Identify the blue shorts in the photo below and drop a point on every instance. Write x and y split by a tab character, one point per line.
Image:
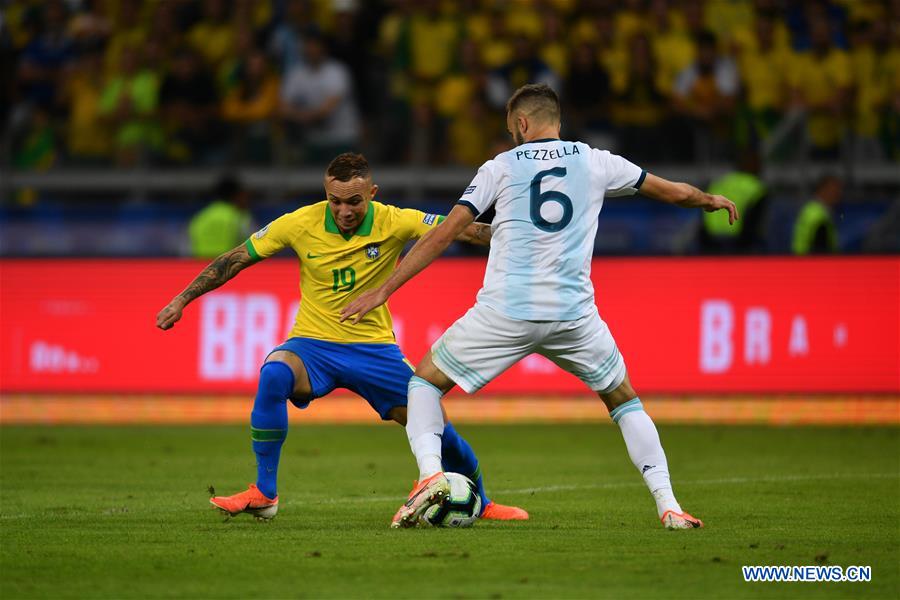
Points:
377	372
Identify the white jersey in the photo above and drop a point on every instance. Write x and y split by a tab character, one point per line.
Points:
548	194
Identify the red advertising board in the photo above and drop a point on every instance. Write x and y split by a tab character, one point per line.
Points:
683	325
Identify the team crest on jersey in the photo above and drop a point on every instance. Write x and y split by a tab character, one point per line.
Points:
259	234
429	219
373	251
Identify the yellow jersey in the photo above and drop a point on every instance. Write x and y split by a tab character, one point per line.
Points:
334	267
818	79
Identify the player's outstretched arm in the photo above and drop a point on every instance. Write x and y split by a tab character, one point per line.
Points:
478	234
214	275
686	196
420	256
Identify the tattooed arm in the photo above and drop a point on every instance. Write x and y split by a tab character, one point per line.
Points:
476	233
215	274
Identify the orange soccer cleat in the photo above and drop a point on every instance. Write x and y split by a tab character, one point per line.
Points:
252	502
674	520
500	512
431	491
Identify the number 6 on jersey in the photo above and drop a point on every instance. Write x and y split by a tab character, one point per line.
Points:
538	198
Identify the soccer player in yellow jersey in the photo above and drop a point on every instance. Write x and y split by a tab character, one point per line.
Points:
346	244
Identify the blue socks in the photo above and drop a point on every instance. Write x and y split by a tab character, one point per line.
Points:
269	423
457	456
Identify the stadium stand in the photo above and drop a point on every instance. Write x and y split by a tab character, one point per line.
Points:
130	110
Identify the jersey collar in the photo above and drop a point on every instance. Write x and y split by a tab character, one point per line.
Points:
365	228
541	141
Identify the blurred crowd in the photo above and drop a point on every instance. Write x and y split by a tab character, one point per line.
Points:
217	82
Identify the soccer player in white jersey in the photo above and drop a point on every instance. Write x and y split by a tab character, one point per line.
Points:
537	295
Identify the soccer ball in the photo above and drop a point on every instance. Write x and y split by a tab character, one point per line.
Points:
460	509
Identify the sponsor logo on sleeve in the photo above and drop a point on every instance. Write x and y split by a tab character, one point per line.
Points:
259	234
469	190
429	219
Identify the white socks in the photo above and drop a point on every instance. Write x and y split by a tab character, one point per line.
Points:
646	452
425	425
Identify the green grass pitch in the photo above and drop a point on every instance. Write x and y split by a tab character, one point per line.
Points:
123	512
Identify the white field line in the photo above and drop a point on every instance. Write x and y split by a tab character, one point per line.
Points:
621	484
311	500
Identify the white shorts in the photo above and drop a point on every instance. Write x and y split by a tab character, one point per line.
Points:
483	343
